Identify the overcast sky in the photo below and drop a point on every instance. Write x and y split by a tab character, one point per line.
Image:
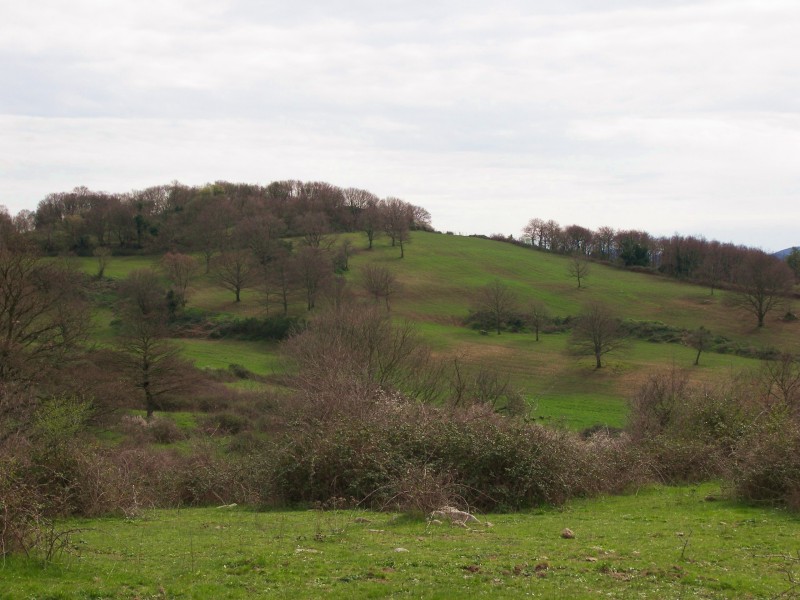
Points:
663	115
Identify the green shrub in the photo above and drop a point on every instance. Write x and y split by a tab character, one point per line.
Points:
277	327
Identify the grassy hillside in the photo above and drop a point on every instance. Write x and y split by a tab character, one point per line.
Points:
438	277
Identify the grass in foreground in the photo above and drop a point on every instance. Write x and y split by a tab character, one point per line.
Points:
659	543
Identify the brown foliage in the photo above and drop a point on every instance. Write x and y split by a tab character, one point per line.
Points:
43	317
597	333
351	351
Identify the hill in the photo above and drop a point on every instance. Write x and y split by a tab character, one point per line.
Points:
784	253
438	277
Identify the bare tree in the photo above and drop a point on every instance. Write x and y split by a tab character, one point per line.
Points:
763	283
103	256
179	269
314	227
380	282
604	242
781	379
537	317
353	353
497	302
578	268
43	317
370	221
143	290
148	361
341	258
700	339
208	231
282	275
313	271
478	386
235	271
357	201
397	217
262	234
597	333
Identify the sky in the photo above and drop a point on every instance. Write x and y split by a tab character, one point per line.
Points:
668	116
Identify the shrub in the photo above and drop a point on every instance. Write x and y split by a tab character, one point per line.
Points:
766	465
165	431
225	423
412	457
277	327
689	431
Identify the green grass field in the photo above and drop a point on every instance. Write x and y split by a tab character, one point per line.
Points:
657	543
438	276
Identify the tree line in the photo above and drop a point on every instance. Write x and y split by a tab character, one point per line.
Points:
208	218
678	256
762	281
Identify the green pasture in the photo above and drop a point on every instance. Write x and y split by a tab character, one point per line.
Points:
681	542
260	358
437	278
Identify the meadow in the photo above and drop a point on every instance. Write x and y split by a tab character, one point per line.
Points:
678	542
690	541
439	276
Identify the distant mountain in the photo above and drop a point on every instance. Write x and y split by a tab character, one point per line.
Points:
784	253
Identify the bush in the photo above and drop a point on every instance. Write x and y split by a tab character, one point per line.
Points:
766	466
225	423
688	431
278	327
165	431
412	457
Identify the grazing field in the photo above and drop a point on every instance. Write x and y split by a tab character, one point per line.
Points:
681	542
439	275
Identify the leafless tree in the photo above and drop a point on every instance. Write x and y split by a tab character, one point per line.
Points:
103	256
497	301
342	255
397	221
533	231
763	283
262	234
604	242
43	317
578	268
781	378
379	282
179	269
353	352
282	276
143	289
537	317
597	333
235	271
477	386
370	221
313	271
146	358
700	339
357	201
315	228
208	231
